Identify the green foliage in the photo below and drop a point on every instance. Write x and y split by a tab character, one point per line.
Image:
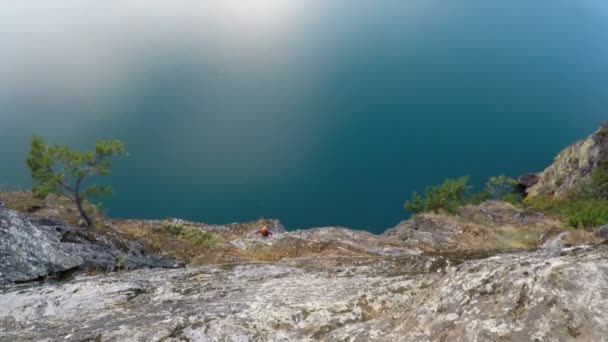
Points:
599	180
172	228
478	197
191	234
58	169
500	186
454	193
588	214
449	196
514	198
416	205
577	212
120	264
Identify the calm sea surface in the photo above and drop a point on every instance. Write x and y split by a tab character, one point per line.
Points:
313	112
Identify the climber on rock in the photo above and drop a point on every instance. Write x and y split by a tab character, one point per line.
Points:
264	231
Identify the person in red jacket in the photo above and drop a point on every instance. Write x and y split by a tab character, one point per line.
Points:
264	231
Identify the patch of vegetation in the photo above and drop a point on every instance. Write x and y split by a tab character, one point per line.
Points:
194	235
499	187
478	197
448	196
577	212
185	243
454	193
599	181
588	214
514	198
120	264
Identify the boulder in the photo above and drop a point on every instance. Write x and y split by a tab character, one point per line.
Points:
528	180
32	249
602	232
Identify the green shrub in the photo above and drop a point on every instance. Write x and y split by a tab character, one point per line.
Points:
416	205
478	197
192	234
599	180
200	237
173	228
501	186
577	212
514	198
454	193
120	264
589	217
449	196
586	213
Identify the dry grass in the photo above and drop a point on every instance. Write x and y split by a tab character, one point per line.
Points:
182	242
53	206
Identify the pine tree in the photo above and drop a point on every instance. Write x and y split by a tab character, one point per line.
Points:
58	169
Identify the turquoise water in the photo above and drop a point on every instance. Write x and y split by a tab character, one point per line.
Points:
313	112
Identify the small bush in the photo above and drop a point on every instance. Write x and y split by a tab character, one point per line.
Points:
200	237
120	264
173	228
478	197
513	198
449	196
501	186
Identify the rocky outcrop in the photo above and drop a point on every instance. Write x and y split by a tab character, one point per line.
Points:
36	248
427	229
525	296
572	166
527	181
492	225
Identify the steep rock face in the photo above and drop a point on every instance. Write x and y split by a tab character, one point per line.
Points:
509	297
572	166
31	249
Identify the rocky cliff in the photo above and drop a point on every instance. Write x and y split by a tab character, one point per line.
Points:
571	167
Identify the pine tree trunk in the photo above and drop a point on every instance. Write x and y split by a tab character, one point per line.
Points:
78	200
82	212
